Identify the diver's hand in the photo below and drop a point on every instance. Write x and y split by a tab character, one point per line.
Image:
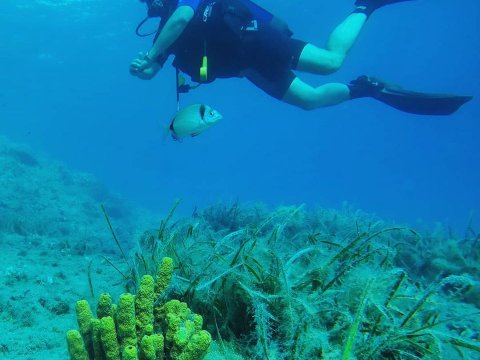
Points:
142	62
144	67
146	74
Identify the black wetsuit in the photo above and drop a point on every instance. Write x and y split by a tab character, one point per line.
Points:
240	39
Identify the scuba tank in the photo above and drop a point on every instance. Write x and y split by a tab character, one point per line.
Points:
245	15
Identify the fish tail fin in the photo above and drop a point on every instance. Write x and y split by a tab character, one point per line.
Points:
165	133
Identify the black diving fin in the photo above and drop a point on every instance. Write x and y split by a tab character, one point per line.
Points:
376	3
406	100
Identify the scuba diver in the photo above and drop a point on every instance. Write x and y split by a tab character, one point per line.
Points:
237	38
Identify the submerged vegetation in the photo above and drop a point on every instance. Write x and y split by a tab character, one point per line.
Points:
282	284
292	284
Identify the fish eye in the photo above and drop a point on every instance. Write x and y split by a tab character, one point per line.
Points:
212	112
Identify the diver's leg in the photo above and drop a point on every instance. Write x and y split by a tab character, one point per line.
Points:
308	97
326	61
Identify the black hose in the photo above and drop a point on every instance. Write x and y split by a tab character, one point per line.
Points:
139	26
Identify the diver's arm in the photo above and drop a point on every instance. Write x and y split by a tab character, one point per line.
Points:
171	31
145	66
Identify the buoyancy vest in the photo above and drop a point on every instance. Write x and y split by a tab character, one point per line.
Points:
218	30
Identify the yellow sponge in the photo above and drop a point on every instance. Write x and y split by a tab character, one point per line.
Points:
152	347
98	352
144	306
197	347
76	347
130	353
109	338
140	327
164	276
104	306
84	319
126	320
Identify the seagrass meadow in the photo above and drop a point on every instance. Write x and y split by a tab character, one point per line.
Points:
346	232
284	283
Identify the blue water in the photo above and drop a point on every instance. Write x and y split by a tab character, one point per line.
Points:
66	91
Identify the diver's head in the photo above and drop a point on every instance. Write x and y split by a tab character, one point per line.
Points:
156	8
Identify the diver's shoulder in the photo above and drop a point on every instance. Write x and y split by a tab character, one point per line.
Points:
194	4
